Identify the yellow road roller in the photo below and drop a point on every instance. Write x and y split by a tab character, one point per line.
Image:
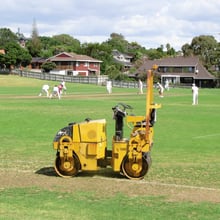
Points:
83	146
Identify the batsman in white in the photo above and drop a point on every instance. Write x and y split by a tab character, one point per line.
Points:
55	92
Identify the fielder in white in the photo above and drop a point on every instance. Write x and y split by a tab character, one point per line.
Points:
167	87
160	89
140	86
45	89
109	86
195	92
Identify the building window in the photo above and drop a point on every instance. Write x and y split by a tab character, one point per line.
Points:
164	69
189	69
177	69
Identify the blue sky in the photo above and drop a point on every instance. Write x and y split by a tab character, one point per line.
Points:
149	23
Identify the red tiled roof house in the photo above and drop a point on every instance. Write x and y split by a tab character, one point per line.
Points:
75	64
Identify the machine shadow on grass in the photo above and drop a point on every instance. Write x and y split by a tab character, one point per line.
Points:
105	172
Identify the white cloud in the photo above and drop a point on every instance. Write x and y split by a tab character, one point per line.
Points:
149	23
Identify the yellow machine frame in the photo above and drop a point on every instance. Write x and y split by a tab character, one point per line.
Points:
83	146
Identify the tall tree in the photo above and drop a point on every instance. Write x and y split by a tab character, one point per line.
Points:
99	51
170	50
6	35
34	45
71	44
187	50
59	43
15	55
117	41
203	46
153	54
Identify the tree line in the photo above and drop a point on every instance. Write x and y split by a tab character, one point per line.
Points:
205	47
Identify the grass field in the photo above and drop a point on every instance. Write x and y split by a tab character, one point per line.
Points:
183	182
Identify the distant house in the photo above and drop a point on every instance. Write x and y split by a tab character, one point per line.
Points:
21	38
123	59
2	65
2	51
75	64
37	62
184	70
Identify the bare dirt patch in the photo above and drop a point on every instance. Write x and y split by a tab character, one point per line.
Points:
105	183
67	96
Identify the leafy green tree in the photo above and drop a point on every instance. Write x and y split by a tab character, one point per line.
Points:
46	53
25	58
69	43
47	44
203	46
57	44
154	54
90	49
187	50
48	66
15	55
134	47
118	42
170	50
98	51
137	55
215	56
2	61
6	35
112	72
215	61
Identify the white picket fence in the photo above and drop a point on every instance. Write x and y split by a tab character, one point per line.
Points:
98	80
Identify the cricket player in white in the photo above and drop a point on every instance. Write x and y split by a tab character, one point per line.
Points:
56	92
160	88
64	86
195	92
140	86
45	89
109	86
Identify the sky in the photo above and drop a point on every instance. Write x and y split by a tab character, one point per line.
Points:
149	23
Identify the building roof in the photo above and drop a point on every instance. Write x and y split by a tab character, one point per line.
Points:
64	56
38	60
116	53
122	58
180	61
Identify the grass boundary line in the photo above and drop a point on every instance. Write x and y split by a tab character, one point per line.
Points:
205	136
162	184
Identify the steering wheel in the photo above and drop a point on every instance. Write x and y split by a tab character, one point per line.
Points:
125	106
